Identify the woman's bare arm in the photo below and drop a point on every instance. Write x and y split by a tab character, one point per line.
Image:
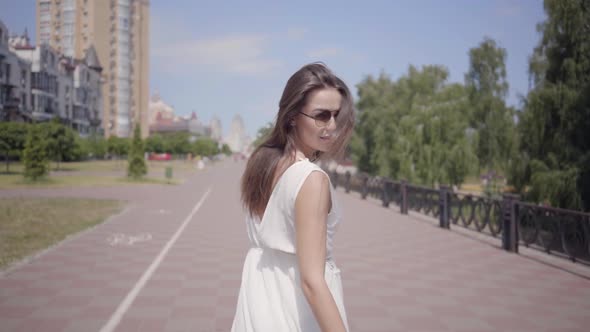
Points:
311	211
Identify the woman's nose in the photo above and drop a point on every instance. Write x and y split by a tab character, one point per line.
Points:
331	124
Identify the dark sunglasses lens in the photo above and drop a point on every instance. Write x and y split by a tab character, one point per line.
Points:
324	116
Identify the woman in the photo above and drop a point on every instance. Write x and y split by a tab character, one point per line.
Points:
290	281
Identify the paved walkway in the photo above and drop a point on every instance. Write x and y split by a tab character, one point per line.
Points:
176	266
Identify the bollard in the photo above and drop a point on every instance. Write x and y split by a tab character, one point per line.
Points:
365	186
404	194
510	222
168	173
347	182
444	207
385	194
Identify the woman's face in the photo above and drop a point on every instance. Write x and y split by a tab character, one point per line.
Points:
315	128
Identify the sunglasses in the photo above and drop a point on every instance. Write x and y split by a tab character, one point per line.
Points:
322	118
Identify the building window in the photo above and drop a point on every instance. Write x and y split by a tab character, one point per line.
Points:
7	71
23	78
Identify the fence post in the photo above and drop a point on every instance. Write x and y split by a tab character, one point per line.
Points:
365	186
444	207
386	193
510	222
335	181
347	182
404	194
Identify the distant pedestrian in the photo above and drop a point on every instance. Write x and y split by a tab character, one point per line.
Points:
290	281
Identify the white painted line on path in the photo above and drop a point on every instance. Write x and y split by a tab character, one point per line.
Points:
127	240
124	306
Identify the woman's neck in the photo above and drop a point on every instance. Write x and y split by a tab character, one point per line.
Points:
302	151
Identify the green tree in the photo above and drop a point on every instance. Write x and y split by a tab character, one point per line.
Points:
487	87
155	143
225	149
34	155
96	146
117	146
410	128
262	134
554	126
60	141
12	140
136	167
178	142
205	147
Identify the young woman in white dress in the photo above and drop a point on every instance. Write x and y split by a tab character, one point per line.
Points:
290	281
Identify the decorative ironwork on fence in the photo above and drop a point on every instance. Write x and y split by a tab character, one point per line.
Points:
558	231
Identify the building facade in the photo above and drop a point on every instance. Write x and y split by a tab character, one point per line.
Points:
163	120
216	129
45	78
119	32
238	140
41	84
15	83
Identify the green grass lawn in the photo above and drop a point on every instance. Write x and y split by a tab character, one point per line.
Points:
16	181
101	166
67	175
28	225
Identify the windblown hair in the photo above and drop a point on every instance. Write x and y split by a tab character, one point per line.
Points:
278	149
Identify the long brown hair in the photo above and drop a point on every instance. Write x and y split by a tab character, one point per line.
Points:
277	150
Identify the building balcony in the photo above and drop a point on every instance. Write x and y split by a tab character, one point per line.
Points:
12	103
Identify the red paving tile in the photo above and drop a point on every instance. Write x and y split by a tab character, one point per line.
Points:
400	273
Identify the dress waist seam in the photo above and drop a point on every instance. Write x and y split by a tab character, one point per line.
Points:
329	259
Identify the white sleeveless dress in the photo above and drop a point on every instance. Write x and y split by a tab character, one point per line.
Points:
271	298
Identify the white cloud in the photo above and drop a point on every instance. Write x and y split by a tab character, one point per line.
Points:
233	54
324	52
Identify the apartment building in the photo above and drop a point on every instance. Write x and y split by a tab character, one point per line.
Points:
45	79
119	32
15	84
44	84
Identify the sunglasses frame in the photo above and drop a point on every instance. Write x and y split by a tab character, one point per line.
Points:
319	123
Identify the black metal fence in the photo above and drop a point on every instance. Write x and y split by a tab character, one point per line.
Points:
557	231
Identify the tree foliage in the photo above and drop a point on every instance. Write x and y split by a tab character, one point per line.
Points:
554	126
155	143
409	128
92	147
205	147
34	155
118	146
12	140
60	141
262	134
226	150
136	167
486	85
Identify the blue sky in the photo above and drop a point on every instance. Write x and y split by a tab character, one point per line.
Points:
234	57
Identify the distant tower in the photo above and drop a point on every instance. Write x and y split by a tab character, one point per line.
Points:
216	131
237	135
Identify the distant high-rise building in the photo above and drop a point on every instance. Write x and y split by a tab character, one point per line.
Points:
237	138
216	131
119	31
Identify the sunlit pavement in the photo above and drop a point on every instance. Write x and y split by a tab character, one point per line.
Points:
172	260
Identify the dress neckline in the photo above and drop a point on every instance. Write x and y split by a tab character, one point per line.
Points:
274	189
